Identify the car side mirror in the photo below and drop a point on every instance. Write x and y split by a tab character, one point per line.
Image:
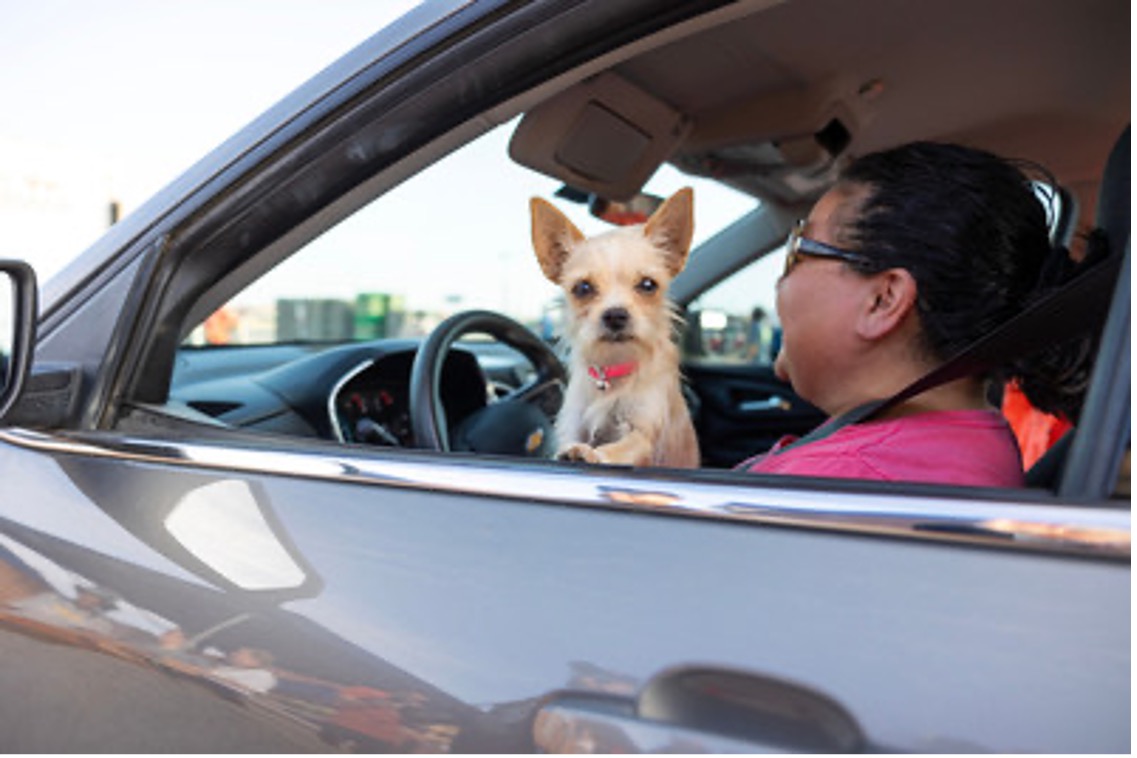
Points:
17	329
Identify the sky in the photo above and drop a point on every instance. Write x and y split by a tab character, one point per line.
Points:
111	100
127	94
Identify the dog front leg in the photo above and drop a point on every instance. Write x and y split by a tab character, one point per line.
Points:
633	449
580	452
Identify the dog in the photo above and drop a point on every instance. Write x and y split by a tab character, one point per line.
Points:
623	403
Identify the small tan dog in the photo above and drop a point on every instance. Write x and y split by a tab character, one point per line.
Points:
623	403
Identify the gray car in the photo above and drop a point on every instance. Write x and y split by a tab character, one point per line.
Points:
275	459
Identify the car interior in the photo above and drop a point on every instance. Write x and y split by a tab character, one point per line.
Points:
762	102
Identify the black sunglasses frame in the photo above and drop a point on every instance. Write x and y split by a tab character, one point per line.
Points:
799	246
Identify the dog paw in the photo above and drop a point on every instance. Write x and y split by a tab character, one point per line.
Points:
580	453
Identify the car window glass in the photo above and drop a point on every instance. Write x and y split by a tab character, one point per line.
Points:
452	238
735	321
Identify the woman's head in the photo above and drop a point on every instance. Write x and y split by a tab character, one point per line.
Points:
958	234
968	226
848	326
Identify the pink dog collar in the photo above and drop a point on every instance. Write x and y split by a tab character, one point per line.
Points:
603	375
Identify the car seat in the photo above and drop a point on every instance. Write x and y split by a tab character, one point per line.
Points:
1112	218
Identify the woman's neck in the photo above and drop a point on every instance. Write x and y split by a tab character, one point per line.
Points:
964	394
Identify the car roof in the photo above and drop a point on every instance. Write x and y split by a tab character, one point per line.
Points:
772	97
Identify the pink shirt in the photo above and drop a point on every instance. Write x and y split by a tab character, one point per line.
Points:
969	447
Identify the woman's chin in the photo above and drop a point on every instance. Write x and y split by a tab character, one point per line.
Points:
781	367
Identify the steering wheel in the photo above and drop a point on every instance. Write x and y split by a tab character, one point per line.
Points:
521	423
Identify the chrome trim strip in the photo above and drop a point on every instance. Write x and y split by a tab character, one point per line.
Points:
1080	530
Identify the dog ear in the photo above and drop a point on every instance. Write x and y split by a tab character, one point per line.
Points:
553	237
672	226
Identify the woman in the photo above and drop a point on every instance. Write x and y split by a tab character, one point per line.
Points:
914	254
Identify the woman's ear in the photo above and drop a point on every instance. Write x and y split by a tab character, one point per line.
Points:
891	297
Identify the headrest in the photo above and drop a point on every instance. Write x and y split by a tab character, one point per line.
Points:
1113	209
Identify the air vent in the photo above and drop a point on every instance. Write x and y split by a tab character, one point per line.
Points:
213	408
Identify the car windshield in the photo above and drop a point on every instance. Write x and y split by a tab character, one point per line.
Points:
452	238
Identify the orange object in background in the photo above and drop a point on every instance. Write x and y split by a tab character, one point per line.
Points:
219	326
1035	430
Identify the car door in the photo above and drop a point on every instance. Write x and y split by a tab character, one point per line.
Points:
744	410
412	603
175	583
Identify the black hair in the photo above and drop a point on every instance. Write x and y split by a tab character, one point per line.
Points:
971	229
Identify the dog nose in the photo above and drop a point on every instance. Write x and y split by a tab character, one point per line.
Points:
615	319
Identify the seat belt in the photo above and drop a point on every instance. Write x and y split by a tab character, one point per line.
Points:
1064	313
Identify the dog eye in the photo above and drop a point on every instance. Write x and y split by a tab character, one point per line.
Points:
582	289
647	285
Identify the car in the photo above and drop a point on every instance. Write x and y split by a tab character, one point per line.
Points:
264	483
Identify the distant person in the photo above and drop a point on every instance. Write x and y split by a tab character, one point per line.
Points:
760	337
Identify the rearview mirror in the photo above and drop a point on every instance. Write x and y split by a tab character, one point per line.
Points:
17	329
636	210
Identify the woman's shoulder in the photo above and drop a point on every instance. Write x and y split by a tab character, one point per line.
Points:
971	447
931	429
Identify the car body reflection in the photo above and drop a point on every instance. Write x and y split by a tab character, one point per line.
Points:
236	643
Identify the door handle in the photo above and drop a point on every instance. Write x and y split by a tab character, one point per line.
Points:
699	710
772	403
591	725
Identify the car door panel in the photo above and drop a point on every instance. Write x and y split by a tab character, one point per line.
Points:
744	410
434	613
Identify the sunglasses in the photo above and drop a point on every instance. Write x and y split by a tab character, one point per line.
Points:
798	247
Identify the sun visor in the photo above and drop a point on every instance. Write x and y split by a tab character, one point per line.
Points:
604	135
786	144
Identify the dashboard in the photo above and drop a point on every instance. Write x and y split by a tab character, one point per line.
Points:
374	409
372	404
356	393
